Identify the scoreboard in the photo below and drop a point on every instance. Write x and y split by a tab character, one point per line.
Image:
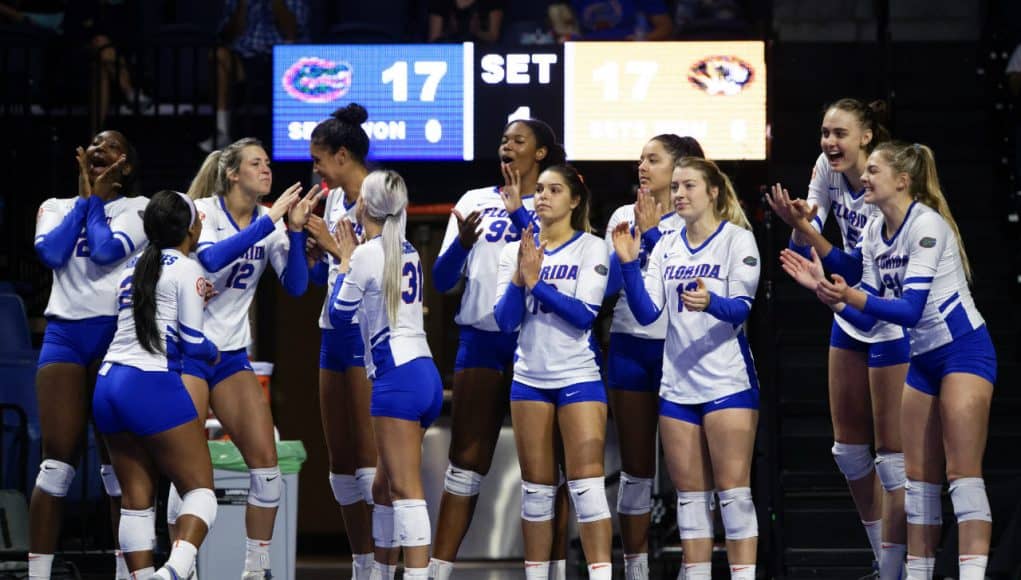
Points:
451	101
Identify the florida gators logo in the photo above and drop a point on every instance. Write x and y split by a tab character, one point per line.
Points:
721	75
316	80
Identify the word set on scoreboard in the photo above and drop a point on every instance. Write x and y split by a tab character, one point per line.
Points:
451	101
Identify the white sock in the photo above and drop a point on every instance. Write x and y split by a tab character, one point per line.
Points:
600	571
874	530
257	555
223	122
416	573
697	571
558	570
440	569
742	572
536	570
362	565
39	566
920	568
182	558
384	571
636	566
891	560
972	567
143	574
121	567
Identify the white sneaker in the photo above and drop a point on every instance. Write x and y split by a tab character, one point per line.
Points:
257	575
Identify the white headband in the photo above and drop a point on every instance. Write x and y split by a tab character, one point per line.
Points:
191	207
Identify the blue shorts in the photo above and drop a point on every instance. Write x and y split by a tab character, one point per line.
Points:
484	349
634	364
576	393
76	341
880	354
231	363
412	391
140	402
340	350
747	399
971	353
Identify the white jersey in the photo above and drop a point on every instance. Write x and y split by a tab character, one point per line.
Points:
922	255
386	346
551	352
336	211
705	358
831	192
82	288
623	320
227	313
480	269
180	300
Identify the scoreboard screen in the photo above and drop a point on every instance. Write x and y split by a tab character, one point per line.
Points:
451	101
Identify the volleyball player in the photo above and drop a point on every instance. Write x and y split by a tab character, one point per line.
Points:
339	147
551	286
479	228
381	283
915	273
140	403
239	238
635	362
704	277
862	366
85	241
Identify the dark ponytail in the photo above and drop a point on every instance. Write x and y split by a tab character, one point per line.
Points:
576	183
544	137
166	220
344	129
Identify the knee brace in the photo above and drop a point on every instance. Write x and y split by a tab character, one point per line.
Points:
54	477
463	482
137	531
110	483
200	503
634	495
853	460
365	476
589	498
345	489
537	501
411	522
173	505
738	513
968	495
922	503
890	468
266	485
383	526
695	514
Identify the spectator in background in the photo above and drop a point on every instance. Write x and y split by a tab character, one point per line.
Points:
621	19
33	16
1014	87
248	31
466	20
707	16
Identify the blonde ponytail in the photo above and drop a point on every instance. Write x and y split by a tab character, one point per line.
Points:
205	181
213	176
919	163
728	206
385	198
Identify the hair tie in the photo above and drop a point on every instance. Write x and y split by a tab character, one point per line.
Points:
191	207
916	147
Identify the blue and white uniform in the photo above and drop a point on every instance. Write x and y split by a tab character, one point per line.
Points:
707	364
482	344
85	242
338	350
635	361
234	260
554	361
141	392
915	279
886	344
405	382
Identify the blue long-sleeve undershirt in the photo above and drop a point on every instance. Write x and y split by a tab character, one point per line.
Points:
573	311
615	279
295	275
804	251
651	237
56	245
217	256
105	246
522	220
510	309
637	296
905	311
204	350
340	318
320	273
847	265
449	265
732	310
